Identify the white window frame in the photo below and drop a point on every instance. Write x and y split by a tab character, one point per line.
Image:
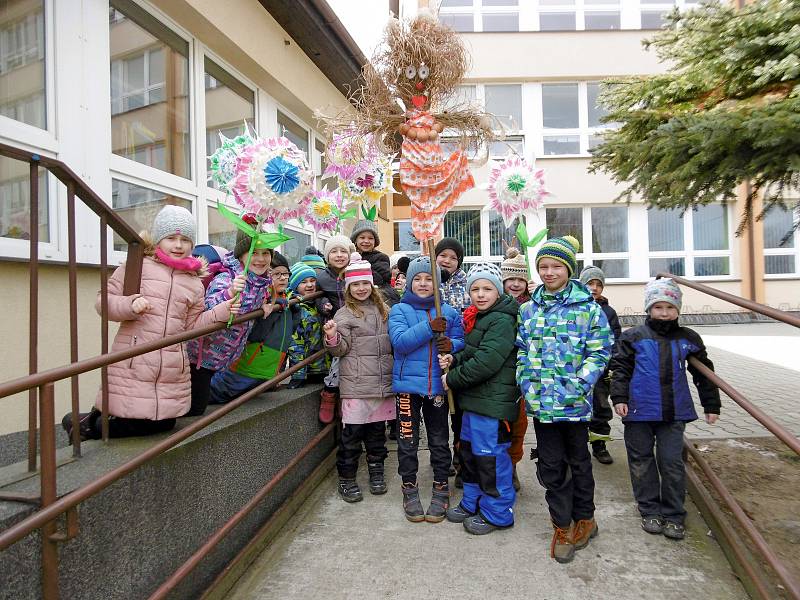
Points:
786	251
477	10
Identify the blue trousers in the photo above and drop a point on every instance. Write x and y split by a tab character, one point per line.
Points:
227	385
486	469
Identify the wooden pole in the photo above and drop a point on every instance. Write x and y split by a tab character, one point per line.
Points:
437	303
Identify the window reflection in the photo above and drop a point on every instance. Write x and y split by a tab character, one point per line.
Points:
138	206
15	206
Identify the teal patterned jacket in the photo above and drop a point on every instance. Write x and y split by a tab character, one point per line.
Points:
306	340
564	346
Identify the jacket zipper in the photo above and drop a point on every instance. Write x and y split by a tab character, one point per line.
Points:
430	359
130	362
164	333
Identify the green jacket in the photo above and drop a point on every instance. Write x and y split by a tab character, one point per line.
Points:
483	375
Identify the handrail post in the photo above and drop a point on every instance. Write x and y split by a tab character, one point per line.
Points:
33	310
133	269
104	324
48	491
73	318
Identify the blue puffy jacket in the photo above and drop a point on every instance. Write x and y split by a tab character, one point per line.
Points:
416	364
648	373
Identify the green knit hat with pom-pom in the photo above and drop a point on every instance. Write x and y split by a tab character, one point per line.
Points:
563	249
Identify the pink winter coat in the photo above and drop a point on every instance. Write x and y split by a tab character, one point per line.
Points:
155	385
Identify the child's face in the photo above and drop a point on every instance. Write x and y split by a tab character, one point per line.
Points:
663	311
259	263
176	246
448	260
596	287
515	287
483	294
400	282
360	290
338	258
554	274
422	285
307	286
365	242
280	279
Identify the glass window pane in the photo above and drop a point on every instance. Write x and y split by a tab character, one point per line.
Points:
293	249
404	240
505	103
610	229
221	232
777	223
603	2
653	19
665	229
556	2
465	226
562	144
557	21
565	221
149	91
710	226
500	2
498	232
447	3
596	112
501	22
560	105
458	21
229	104
500	149
293	132
710	266
674	265
595	141
15	205
22	66
601	20
779	265
613	268
138	206
667	2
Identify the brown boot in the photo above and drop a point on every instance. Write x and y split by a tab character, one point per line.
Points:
582	532
561	548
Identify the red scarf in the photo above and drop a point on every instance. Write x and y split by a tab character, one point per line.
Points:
470	315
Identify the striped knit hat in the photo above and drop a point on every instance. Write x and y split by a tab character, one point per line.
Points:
514	265
563	249
313	258
298	273
358	270
488	271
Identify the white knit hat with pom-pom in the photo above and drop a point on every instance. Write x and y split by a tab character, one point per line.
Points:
358	270
514	265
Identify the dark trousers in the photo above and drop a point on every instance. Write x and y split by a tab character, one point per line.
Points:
201	390
455	426
121	427
601	409
658	478
564	470
372	435
411	408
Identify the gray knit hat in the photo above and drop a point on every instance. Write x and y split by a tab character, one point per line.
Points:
489	271
592	272
662	290
171	220
421	264
361	227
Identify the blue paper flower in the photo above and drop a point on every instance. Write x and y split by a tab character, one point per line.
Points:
281	175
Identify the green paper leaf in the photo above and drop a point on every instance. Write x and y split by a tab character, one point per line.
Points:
271	241
236	220
522	234
538	238
349	214
364	212
373	212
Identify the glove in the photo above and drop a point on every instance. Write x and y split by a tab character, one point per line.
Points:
439	324
444	344
280	303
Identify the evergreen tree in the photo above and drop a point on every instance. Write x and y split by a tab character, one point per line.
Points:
727	111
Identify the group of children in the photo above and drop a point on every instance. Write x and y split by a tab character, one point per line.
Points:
504	347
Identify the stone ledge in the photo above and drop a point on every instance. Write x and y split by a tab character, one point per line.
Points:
136	532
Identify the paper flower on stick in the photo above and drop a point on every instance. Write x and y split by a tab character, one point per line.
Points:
349	155
223	161
515	187
272	180
327	211
249	224
370	185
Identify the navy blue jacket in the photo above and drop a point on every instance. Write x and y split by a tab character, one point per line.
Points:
648	373
416	363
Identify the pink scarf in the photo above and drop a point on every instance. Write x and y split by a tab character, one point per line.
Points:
189	263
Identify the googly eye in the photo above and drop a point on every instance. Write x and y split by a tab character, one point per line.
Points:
411	72
423	71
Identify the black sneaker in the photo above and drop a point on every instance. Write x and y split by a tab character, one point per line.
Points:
601	453
654	525
86	423
440	502
295	384
674	531
349	490
457	514
477	525
411	504
377	483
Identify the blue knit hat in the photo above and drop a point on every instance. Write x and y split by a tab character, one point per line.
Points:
489	271
313	260
421	264
298	273
563	249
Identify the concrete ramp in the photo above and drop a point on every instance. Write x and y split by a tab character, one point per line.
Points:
368	550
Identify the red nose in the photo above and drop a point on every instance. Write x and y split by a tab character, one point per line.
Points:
420	85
